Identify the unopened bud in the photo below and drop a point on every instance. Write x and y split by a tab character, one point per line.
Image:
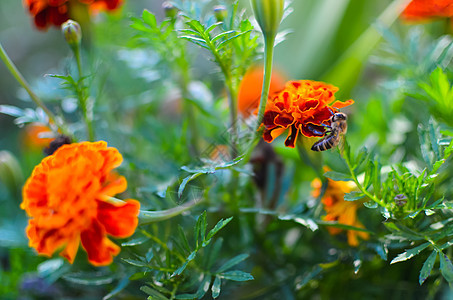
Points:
72	33
170	10
400	199
220	12
268	14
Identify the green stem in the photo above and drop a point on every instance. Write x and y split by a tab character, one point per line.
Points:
146	217
359	186
268	57
80	95
232	98
18	76
163	245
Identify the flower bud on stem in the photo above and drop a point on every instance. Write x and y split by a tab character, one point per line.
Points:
268	14
73	35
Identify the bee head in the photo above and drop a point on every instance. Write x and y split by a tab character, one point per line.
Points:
339	117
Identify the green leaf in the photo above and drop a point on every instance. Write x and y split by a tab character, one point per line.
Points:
222	223
134	262
427	267
337	176
149	18
410	253
232	262
236	276
86	278
216	287
204	287
353	196
223	34
230	39
135	242
446	267
119	287
211	28
203	226
184	265
153	294
183	238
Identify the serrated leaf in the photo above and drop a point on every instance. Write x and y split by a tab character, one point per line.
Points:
337	176
446	267
222	223
223	34
353	196
183	238
427	267
211	28
149	18
232	262
236	276
410	253
184	265
216	287
153	294
230	39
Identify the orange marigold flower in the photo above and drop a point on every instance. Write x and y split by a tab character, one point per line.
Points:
337	209
302	106
36	136
250	89
55	12
419	10
68	197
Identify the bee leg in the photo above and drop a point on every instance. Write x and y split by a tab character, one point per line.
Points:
325	125
315	131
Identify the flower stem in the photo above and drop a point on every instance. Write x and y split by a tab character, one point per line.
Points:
268	57
18	76
359	185
81	95
146	217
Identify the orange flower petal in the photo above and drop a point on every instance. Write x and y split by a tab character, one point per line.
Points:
250	89
64	199
119	219
99	248
340	104
302	106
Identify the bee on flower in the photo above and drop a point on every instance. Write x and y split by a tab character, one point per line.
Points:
340	210
302	107
69	201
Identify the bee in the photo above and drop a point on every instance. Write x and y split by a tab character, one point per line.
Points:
337	128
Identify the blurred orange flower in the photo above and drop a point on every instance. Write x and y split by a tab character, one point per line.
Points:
68	197
302	106
419	10
36	136
55	12
250	89
337	209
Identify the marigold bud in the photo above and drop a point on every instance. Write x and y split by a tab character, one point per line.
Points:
72	33
220	12
170	10
268	14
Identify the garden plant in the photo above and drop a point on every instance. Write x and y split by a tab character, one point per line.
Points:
226	149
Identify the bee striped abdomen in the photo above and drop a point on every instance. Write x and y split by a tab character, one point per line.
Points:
326	143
